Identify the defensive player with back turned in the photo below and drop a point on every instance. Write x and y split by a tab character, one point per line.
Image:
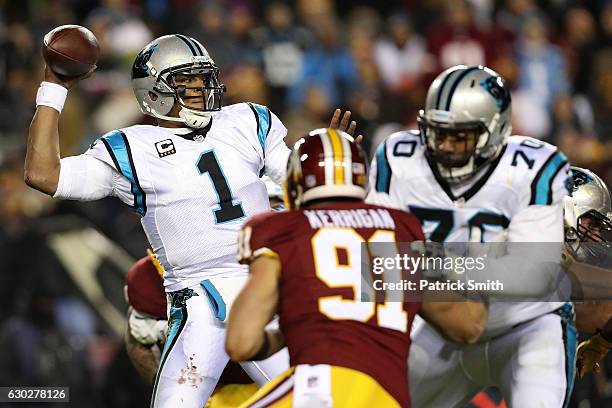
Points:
305	264
469	180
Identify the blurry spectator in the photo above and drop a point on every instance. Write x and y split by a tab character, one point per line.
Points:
211	29
245	83
329	65
580	45
280	43
311	12
529	117
482	11
514	12
455	39
542	71
127	34
401	56
603	95
363	30
582	150
564	116
569	134
606	25
312	115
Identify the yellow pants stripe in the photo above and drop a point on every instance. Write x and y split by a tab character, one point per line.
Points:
349	389
270	388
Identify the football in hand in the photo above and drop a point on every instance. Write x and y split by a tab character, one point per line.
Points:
71	50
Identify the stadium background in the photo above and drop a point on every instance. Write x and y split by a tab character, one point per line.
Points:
62	263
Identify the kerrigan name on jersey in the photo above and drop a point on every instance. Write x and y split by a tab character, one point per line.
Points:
362	218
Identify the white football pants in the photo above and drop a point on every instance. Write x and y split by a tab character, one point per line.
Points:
532	365
194	353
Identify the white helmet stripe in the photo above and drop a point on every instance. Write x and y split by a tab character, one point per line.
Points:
347	161
328	151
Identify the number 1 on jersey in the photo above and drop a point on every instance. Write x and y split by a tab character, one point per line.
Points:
227	211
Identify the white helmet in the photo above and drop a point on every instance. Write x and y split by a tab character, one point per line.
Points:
153	75
589	198
461	99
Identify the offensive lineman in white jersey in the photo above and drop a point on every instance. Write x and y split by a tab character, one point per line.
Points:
467	180
194	179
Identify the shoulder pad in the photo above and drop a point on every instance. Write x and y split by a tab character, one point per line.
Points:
539	162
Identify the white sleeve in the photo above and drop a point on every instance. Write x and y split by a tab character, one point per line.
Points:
276	152
85	178
379	182
530	268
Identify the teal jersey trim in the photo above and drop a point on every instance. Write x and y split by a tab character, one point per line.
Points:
541	187
383	170
119	149
570	339
264	123
215	299
178	318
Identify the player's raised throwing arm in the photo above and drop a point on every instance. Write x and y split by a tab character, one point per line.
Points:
42	163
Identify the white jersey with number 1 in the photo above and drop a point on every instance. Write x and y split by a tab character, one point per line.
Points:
193	192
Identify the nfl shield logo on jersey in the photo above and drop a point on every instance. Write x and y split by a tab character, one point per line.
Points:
312	381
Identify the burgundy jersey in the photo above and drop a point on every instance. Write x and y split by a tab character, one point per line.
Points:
321	315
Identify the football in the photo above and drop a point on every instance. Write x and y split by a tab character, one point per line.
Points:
71	50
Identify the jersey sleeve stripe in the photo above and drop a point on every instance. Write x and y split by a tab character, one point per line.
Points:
119	149
383	170
541	187
263	117
264	252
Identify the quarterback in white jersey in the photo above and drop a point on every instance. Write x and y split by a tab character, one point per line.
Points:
468	180
194	179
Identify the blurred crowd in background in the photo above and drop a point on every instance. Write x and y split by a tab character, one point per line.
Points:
302	59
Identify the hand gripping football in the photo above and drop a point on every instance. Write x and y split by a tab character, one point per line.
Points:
71	50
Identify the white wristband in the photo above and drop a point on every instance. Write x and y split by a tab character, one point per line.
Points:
51	95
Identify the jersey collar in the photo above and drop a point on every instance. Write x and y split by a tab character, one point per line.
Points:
196	135
470	192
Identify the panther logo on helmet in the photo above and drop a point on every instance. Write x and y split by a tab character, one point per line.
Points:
500	93
326	164
140	69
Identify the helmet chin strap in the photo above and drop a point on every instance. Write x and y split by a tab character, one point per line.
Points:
195	119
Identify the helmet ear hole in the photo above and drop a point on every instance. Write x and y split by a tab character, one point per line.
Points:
153	96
